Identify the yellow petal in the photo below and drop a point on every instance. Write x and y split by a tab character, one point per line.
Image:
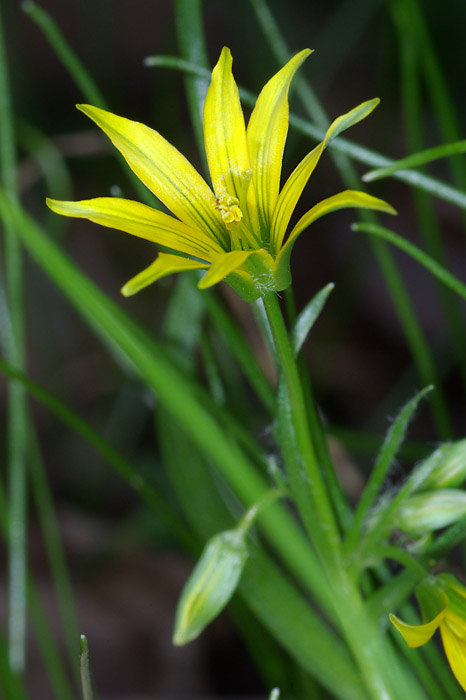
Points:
295	184
266	135
223	266
140	220
164	170
417	635
224	130
347	198
455	649
165	264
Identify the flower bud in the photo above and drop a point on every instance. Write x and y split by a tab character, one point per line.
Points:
211	584
431	510
451	468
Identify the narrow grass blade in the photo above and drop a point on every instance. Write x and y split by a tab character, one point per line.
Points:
86	683
81	77
12	338
434	268
383	520
191	40
436	85
11	684
387	454
411	59
65	53
113	458
428	155
55	553
48	647
46	644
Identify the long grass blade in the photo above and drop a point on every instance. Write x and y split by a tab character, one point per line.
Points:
436	85
434	268
65	53
193	48
86	683
12	332
81	77
55	553
109	454
47	646
428	222
428	155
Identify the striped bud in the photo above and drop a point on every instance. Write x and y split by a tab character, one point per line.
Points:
451	468
211	584
432	510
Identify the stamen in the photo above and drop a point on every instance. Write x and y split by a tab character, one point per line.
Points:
229	209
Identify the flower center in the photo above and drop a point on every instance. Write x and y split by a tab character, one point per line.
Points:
229	209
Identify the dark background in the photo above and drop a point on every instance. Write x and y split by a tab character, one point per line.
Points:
127	571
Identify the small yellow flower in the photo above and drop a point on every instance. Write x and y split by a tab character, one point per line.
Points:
237	231
443	605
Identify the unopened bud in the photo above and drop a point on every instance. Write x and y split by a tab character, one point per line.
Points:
432	510
451	468
211	584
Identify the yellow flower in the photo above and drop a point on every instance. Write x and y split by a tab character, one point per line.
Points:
443	605
237	231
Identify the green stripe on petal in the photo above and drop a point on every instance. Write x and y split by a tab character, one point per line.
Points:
295	184
164	170
223	266
347	198
266	135
142	221
225	135
417	635
455	650
165	264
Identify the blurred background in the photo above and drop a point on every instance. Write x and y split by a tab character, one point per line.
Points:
126	568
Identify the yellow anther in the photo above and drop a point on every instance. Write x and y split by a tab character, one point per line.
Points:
229	209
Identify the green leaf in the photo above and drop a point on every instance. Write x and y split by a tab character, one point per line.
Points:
309	316
388	451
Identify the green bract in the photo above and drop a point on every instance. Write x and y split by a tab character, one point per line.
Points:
237	231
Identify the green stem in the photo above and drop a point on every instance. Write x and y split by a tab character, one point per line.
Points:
382	675
248	519
305	477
